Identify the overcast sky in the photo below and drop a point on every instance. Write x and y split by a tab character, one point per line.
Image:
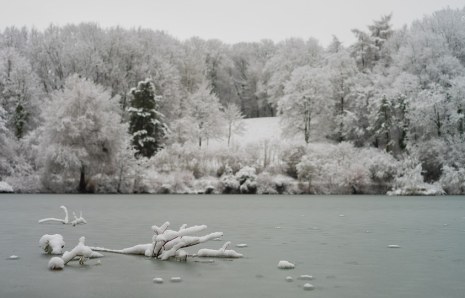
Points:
228	20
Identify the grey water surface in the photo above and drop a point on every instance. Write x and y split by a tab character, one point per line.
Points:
342	241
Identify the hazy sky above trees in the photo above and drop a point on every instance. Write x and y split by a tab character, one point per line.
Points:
231	21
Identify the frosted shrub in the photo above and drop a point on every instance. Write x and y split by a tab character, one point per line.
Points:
409	181
453	180
229	183
342	168
291	157
246	178
206	185
279	184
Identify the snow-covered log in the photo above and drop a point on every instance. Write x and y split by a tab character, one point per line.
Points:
51	219
187	241
140	249
167	243
81	251
52	244
223	252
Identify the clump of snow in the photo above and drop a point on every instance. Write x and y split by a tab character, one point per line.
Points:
181	255
176	279
223	252
306	277
13	257
308	287
394	246
5	187
52	244
289	278
241	245
158	280
285	265
56	263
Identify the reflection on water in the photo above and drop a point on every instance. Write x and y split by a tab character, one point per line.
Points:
348	256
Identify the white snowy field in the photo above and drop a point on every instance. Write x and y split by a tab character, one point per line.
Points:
343	243
256	131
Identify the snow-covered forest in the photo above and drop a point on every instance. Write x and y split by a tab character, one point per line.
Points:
103	110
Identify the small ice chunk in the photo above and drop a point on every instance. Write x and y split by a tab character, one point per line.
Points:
394	246
56	263
341	215
158	280
176	279
289	278
98	262
241	245
308	287
306	277
278	228
285	265
13	257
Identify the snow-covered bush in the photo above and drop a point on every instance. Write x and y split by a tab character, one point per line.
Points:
228	182
410	181
246	178
342	168
206	185
453	180
5	187
275	184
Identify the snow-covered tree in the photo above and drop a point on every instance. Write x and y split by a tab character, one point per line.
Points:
290	54
204	115
342	72
305	102
233	117
82	135
146	123
19	91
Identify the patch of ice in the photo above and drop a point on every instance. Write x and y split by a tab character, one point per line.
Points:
285	265
308	287
158	280
13	257
394	246
289	278
176	279
241	245
56	263
306	277
341	215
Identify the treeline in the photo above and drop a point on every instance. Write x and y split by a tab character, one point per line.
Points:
401	91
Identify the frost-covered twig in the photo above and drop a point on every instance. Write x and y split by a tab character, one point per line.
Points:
63	221
223	252
78	220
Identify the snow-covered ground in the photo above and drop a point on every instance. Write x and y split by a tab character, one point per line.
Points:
256	130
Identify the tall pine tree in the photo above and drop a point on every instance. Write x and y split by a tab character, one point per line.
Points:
145	123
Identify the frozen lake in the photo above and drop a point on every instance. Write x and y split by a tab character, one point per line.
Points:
342	241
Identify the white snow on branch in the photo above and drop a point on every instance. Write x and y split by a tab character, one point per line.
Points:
223	252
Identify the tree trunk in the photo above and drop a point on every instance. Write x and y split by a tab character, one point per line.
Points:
82	181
